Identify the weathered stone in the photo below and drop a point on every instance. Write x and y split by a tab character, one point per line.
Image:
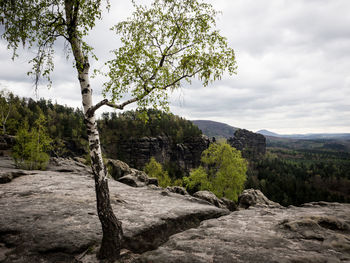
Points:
67	165
229	204
297	234
209	197
252	145
140	175
5	177
130	180
188	155
117	168
153	181
177	189
252	197
79	159
138	152
50	216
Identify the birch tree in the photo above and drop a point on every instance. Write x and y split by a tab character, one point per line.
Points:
163	46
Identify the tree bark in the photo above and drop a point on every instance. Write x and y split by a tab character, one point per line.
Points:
111	226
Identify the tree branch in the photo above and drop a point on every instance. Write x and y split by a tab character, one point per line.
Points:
135	99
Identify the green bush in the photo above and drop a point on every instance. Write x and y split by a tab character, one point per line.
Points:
155	169
30	150
223	172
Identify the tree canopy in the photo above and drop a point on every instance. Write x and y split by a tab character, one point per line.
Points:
163	45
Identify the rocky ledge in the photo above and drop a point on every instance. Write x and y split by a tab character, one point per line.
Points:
316	232
50	216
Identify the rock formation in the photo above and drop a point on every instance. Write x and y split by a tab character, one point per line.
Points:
121	172
251	144
318	232
210	198
138	152
188	155
50	216
252	197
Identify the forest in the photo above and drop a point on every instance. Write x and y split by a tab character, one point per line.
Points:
294	177
65	125
288	175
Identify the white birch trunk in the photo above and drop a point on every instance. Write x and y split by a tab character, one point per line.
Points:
111	226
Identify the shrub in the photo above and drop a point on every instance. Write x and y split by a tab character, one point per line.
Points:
155	169
223	172
30	150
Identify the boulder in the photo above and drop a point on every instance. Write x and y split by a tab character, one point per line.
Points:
135	179
140	175
209	197
117	168
153	181
177	189
129	179
253	197
5	177
230	205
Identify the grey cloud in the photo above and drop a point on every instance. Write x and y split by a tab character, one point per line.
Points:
293	67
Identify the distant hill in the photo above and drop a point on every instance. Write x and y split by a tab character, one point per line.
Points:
319	142
268	133
215	129
309	136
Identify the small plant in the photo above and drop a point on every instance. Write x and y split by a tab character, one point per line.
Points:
30	150
155	169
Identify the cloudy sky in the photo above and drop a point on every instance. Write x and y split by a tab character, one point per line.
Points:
293	67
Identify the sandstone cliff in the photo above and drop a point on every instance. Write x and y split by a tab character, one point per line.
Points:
138	152
252	145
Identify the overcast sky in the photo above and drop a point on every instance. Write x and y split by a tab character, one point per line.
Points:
293	72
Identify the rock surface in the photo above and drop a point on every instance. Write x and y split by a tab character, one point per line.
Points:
177	189
121	172
50	216
138	152
210	198
117	168
252	197
252	145
318	232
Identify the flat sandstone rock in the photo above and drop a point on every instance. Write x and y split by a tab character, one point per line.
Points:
51	215
317	232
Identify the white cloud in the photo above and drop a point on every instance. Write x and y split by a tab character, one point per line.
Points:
293	67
